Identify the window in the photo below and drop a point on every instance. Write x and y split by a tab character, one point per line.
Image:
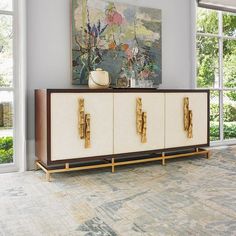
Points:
6	81
216	70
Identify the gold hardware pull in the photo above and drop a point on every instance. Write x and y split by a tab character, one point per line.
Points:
188	118
84	124
190	127
186	113
139	115
144	128
87	131
81	118
141	121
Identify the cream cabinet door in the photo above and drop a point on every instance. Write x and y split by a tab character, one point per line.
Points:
175	135
126	138
65	139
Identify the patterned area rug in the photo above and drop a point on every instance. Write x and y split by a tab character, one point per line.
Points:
188	196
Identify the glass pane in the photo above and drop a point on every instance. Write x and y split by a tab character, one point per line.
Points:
207	21
6	54
6	127
207	62
230	115
6	5
214	116
229	24
229	63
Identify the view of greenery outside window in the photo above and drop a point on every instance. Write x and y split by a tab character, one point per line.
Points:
216	69
6	81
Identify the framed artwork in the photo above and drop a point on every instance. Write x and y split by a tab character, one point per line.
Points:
115	37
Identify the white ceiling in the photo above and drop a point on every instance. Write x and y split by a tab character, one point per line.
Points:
225	3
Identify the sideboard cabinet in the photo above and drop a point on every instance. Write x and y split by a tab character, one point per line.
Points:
82	125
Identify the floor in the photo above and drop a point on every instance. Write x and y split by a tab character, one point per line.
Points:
192	196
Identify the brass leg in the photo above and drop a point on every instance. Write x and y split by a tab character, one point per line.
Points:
163	162
208	155
163	159
112	167
48	177
67	166
36	166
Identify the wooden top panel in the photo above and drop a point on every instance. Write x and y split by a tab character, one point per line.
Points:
123	90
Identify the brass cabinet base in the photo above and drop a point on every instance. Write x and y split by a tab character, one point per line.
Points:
113	163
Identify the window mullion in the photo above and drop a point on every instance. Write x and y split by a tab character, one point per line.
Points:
220	50
221	97
208	35
7	89
221	115
10	13
216	35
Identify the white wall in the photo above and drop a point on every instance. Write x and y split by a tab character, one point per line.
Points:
49	47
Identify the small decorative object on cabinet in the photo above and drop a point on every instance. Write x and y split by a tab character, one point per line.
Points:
98	79
122	83
79	129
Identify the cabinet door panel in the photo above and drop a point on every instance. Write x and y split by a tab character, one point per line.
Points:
175	135
65	139
126	138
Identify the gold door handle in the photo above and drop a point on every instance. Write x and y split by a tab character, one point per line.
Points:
139	115
87	131
81	118
144	128
84	123
141	121
186	113
188	118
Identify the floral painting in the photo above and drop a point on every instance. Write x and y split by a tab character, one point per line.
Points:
116	37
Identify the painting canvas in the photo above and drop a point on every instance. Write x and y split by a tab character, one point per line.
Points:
116	37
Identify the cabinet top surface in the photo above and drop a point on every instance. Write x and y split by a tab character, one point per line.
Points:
119	90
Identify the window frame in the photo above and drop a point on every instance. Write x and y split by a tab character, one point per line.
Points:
18	88
221	89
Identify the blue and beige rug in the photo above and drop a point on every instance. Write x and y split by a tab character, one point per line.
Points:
189	196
